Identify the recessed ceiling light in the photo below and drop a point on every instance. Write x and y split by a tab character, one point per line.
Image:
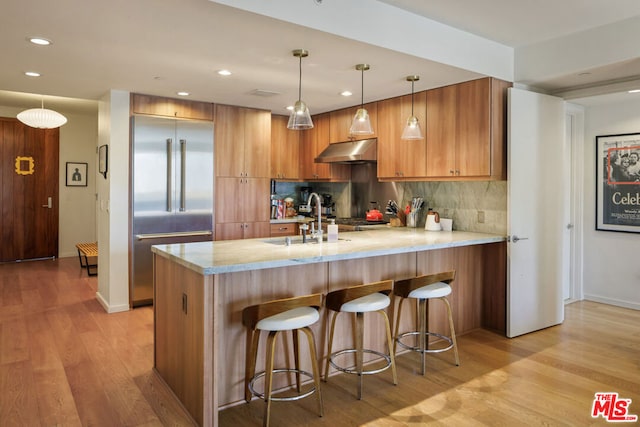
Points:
634	91
183	93
346	93
224	72
39	41
32	74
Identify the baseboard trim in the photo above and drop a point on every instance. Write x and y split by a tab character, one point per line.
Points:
612	301
111	309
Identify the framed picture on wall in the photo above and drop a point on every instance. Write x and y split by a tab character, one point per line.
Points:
76	174
103	160
618	182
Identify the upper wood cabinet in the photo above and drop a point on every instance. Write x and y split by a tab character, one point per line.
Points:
242	142
340	123
170	107
314	141
400	159
466	130
285	149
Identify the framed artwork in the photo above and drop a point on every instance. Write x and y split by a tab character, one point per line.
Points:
618	182
103	160
76	174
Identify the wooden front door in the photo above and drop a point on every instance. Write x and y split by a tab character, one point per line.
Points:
28	191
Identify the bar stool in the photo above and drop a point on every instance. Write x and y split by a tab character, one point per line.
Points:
424	288
289	314
359	300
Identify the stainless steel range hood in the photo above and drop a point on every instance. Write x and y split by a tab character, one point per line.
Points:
350	152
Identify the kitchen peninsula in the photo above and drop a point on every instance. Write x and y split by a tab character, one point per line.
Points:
201	289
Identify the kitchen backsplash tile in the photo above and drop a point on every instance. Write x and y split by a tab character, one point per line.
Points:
460	201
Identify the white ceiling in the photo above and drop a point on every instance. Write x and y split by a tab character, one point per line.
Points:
163	46
520	22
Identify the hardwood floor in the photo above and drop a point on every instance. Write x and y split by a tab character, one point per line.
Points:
64	361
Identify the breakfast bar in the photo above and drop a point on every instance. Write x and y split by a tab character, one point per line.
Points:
200	290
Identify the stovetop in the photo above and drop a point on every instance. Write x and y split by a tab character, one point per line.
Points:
358	221
356	224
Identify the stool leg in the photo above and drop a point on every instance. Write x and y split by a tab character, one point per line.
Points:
268	376
422	314
359	354
453	332
397	325
296	357
314	365
389	344
333	325
253	338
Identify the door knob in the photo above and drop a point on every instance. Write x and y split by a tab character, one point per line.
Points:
49	204
515	238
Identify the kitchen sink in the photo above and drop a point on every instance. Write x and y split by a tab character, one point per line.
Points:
297	240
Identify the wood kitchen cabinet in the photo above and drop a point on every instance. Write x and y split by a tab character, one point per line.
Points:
242	168
282	229
314	141
466	130
400	159
242	142
285	150
170	107
340	123
242	208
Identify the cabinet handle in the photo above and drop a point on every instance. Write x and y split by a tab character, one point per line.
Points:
183	174
184	303
457	172
283	228
169	173
451	172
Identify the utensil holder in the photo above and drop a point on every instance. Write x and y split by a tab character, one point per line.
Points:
412	218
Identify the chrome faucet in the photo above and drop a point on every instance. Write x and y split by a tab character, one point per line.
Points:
318	233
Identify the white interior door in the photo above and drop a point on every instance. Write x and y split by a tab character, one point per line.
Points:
536	166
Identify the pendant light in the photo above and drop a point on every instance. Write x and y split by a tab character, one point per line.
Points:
412	128
42	118
300	118
361	124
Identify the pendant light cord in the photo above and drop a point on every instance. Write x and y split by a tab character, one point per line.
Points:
412	82
300	81
362	88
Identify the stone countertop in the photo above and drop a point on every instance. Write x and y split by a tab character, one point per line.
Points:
228	256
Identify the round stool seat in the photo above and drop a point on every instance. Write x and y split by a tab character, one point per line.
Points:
291	319
434	290
372	302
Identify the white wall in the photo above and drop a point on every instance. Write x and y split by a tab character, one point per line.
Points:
77	219
113	203
78	141
611	267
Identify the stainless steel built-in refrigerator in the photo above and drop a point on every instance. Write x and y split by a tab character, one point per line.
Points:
172	179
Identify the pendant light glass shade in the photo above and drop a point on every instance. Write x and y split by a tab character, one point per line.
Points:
300	117
42	118
412	128
361	124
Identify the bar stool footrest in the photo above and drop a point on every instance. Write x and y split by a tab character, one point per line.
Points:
427	334
283	399
364	372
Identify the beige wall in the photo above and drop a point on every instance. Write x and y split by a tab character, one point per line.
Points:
78	139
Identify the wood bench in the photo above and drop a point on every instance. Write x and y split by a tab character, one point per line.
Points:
86	251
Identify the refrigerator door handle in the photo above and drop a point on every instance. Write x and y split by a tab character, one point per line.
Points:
178	234
183	174
169	173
